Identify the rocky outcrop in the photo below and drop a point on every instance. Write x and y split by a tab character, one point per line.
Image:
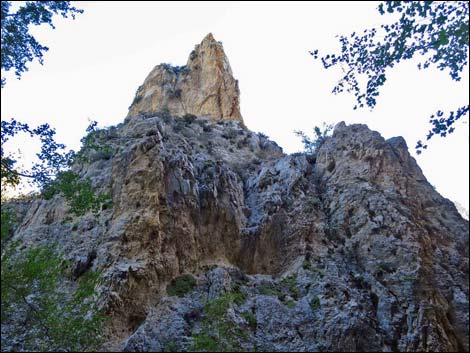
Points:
205	87
347	249
375	258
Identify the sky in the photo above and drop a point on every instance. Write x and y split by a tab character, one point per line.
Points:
96	63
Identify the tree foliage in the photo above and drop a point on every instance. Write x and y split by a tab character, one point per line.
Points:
51	173
38	306
41	309
52	157
79	194
181	285
7	224
435	31
19	47
218	333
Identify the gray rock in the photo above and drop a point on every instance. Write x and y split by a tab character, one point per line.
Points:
378	260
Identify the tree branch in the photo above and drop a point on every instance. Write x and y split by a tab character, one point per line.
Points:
32	176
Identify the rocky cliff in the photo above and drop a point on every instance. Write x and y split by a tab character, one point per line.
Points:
217	240
204	86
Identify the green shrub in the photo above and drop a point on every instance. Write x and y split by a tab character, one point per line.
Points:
306	265
311	145
95	140
291	284
181	285
66	220
171	347
295	292
217	308
289	281
315	303
270	290
237	295
218	334
290	304
251	319
204	342
33	283
317	272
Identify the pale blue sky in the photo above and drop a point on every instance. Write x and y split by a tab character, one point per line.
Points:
96	63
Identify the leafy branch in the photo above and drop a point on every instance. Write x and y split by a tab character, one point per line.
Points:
18	46
437	31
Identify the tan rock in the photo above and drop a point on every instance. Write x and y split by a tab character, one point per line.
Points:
204	87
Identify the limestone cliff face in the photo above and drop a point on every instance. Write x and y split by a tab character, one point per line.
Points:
349	249
204	87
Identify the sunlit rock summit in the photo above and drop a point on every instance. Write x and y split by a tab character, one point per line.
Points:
218	241
205	87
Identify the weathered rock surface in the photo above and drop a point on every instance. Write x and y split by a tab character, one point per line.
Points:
350	249
204	87
356	226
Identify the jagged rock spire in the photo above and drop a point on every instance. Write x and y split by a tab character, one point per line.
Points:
204	87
